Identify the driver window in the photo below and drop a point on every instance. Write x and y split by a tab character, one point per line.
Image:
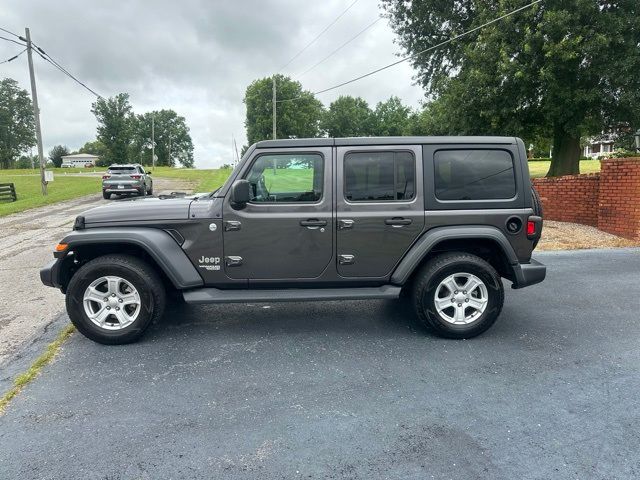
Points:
286	178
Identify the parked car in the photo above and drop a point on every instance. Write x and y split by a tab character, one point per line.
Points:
126	180
440	220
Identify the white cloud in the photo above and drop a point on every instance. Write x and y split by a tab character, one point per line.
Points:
194	56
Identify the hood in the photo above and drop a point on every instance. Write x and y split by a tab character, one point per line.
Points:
140	210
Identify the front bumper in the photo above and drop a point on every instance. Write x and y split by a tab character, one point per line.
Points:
529	274
50	273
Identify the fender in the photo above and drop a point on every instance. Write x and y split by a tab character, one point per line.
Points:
157	243
426	242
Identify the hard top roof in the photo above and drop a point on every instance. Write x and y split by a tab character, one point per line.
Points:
352	141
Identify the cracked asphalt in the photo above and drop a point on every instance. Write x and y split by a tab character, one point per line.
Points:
351	390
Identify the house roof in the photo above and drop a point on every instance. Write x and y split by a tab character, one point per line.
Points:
80	155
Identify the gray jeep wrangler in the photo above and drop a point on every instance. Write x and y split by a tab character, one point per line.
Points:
440	220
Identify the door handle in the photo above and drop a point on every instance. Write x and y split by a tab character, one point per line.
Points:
313	223
398	222
345	224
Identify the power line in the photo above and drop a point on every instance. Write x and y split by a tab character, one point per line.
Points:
14	57
373	72
12	40
47	58
341	46
10	33
318	36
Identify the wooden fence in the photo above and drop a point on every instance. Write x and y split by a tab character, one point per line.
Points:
8	192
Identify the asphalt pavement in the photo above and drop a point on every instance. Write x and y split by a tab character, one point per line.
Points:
352	390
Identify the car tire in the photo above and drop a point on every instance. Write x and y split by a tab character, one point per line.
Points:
106	196
133	315
150	191
480	305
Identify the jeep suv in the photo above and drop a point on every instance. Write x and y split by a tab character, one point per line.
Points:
440	220
126	180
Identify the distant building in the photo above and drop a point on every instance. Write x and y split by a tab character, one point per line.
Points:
599	146
79	160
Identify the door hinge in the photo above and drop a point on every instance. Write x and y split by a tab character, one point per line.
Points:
232	261
232	225
346	259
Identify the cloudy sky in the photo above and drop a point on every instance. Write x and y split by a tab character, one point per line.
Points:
196	57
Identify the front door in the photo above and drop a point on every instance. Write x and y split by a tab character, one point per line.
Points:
380	207
285	231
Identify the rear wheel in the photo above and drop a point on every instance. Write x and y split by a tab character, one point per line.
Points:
458	295
114	298
106	195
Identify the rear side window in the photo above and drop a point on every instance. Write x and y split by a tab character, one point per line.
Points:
379	176
474	175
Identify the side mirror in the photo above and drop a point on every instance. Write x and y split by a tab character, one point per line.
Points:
148	173
240	194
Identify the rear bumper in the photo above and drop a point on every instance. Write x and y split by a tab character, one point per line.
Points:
50	273
529	274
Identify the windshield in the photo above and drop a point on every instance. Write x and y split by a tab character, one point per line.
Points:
122	170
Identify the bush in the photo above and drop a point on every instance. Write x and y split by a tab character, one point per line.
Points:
621	153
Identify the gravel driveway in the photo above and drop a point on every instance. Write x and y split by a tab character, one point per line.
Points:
352	390
26	244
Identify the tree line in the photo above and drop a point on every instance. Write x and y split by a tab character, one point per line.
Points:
122	136
554	74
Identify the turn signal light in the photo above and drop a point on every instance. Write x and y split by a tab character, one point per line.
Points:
104	177
135	177
531	228
61	247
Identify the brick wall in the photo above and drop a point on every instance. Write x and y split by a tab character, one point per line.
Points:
619	199
573	198
609	200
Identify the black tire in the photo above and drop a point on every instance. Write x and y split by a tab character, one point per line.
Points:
139	274
537	210
150	192
106	195
428	279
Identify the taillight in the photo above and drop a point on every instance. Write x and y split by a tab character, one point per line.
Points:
136	177
105	177
531	227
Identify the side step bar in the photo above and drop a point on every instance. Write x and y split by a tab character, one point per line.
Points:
215	295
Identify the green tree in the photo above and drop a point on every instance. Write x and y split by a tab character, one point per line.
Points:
391	118
96	147
172	138
560	69
56	154
298	112
114	117
348	117
17	131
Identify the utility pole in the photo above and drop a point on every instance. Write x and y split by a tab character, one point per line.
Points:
274	106
36	111
170	162
153	143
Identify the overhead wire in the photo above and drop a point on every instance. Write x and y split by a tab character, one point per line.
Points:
315	39
13	58
340	47
409	57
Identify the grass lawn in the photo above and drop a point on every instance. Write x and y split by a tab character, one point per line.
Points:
289	180
540	169
206	180
29	193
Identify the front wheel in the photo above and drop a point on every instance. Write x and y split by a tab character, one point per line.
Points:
114	298
458	295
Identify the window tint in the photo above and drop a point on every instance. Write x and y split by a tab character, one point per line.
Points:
379	176
474	175
122	170
287	178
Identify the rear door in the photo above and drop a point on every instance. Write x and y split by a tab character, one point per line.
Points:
380	207
285	231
